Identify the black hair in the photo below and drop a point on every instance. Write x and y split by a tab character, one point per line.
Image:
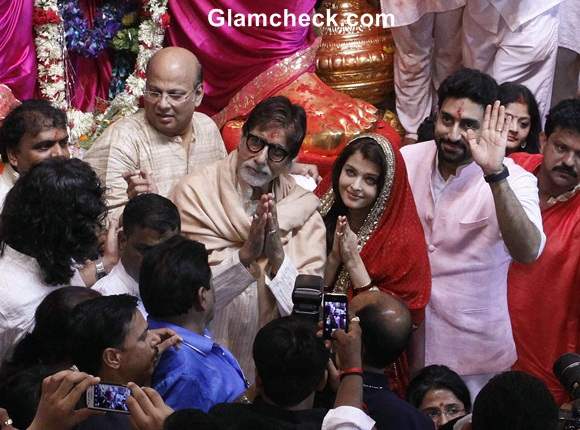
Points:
426	130
151	211
31	117
514	401
189	418
510	92
280	112
46	344
171	275
290	360
371	151
471	84
96	325
383	340
20	393
54	214
565	115
437	377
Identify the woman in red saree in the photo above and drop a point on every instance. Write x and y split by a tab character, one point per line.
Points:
374	235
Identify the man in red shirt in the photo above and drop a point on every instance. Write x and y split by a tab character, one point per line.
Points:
544	297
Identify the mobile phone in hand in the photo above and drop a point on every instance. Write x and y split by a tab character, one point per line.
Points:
108	397
335	314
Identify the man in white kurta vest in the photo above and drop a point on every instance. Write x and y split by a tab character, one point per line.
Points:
479	210
514	41
427	37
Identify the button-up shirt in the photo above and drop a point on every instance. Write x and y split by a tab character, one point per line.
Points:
199	374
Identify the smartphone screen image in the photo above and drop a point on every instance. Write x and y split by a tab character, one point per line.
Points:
108	397
335	313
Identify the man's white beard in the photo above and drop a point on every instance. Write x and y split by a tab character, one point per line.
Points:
256	181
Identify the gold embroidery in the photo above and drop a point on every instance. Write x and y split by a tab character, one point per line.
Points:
371	222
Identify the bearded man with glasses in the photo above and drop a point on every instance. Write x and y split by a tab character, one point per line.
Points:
260	228
152	149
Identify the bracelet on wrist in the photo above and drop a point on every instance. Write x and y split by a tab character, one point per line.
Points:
351	371
497	177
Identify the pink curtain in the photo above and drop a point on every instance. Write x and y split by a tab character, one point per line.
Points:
233	56
17	52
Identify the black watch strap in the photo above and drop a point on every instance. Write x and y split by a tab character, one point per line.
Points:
496	177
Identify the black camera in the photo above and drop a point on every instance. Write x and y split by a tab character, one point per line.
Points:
567	370
307	297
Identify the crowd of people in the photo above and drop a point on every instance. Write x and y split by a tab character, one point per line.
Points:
164	264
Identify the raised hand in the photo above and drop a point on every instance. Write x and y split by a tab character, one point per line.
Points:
348	244
488	151
335	253
273	249
139	182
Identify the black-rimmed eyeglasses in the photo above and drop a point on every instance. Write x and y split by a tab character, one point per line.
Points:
255	144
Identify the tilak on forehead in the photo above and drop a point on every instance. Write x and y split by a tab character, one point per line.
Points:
459	112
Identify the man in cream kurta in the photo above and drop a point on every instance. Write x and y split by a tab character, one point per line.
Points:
260	228
153	149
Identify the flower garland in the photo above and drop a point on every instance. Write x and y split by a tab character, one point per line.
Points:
83	40
52	78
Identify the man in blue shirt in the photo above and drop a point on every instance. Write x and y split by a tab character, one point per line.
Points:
176	291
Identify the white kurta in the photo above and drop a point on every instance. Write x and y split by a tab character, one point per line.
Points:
427	38
514	41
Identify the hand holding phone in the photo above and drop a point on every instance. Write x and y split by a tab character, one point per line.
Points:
58	400
335	314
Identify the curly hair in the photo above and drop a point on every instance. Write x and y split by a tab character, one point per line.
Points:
54	213
31	117
565	115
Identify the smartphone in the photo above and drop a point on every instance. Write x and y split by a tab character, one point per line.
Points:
335	313
108	397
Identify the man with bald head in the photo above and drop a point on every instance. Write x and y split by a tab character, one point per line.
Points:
386	327
152	149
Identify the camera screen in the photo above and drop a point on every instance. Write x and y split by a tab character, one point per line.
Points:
335	317
111	397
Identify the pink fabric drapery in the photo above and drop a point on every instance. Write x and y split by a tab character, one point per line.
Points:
90	76
233	56
17	52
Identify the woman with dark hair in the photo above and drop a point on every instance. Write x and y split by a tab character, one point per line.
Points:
520	103
440	393
373	234
49	224
46	344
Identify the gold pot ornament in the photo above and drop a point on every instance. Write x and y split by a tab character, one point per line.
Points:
356	54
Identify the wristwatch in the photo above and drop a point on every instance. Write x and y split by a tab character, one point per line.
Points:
100	271
496	177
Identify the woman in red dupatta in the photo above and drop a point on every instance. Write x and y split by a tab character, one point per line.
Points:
383	239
